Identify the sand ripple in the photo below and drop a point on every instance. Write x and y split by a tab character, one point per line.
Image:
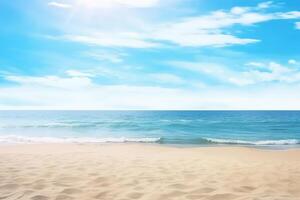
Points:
146	172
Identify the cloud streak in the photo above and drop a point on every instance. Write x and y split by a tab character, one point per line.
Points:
75	80
78	90
113	57
44	96
255	73
167	78
297	25
128	40
59	5
96	4
214	30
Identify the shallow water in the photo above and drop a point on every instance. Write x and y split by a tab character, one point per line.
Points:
257	128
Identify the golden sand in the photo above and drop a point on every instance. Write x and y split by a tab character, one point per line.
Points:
153	172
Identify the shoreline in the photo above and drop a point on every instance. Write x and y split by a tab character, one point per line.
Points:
198	142
167	145
51	148
146	172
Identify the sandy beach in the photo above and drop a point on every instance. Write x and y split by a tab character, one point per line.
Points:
142	171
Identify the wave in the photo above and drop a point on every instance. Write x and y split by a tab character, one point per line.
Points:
28	140
260	142
52	125
15	139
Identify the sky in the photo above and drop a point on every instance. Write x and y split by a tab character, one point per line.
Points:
150	54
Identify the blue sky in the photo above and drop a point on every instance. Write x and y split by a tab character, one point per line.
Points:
149	54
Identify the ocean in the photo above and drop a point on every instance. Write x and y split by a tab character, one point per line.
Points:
200	128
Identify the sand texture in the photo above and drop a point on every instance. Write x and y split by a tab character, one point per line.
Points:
154	172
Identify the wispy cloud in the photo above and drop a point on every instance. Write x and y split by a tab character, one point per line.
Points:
292	62
214	70
265	5
101	51
255	73
132	3
39	93
75	80
96	4
113	57
167	78
288	15
297	25
130	40
255	64
78	89
59	5
76	73
214	29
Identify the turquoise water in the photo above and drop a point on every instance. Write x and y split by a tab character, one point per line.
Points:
257	128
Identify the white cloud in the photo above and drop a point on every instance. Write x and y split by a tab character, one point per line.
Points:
78	91
44	92
264	5
167	78
255	64
142	97
207	68
140	3
59	5
258	73
239	10
73	82
273	72
297	25
130	40
292	62
115	3
196	39
76	73
96	4
114	57
213	29
288	15
214	70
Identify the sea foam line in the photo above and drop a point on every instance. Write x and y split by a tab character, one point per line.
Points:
27	140
261	142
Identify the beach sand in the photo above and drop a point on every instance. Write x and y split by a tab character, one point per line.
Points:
142	171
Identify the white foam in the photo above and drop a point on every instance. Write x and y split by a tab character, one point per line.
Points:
261	142
27	140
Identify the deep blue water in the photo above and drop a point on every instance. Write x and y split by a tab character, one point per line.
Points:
166	127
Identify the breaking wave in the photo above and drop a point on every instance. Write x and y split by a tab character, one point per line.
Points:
260	142
26	140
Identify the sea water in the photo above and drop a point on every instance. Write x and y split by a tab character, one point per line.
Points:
257	128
